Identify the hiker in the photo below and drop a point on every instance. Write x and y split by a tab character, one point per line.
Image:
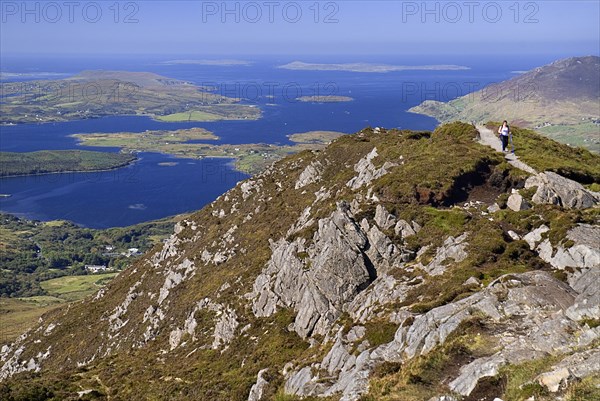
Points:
505	133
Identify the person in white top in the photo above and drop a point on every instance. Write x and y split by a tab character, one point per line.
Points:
505	133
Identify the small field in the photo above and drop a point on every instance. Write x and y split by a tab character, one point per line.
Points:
74	288
189	116
18	314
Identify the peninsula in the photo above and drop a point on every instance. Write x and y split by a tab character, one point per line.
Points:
93	94
249	158
60	161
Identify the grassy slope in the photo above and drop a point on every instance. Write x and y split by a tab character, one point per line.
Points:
445	157
20	314
53	161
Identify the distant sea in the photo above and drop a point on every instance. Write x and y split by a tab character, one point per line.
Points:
149	189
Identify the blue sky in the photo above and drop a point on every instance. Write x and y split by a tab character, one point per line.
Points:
234	28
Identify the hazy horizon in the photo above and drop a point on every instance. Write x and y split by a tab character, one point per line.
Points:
292	28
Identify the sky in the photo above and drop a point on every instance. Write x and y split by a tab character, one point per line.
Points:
238	28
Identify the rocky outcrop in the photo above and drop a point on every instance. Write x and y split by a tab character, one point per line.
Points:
367	171
315	280
530	307
311	174
555	189
534	303
258	389
584	253
340	372
453	248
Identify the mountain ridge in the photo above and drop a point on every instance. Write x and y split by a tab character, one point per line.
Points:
331	273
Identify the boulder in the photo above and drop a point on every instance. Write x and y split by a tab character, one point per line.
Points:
557	190
516	202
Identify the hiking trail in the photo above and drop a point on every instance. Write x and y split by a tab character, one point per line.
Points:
489	138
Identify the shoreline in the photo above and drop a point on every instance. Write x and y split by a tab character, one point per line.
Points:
72	171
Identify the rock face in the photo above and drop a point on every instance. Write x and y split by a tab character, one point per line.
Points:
453	248
534	305
557	190
339	271
570	369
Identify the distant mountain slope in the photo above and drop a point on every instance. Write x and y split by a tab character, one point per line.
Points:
391	265
562	100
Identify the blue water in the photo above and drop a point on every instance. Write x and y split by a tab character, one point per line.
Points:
148	190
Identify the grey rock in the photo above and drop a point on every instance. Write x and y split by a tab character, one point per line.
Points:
493	208
302	383
311	174
585	253
471	282
573	368
443	398
225	328
356	333
513	235
557	190
258	388
516	202
587	303
532	301
367	171
404	229
384	290
453	248
384	219
535	236
337	273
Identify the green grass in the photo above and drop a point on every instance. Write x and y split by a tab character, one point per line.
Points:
189	116
73	288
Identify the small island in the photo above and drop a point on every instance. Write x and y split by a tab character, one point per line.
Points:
325	99
368	67
60	161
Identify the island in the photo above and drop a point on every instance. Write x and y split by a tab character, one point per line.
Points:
93	94
161	141
368	67
60	161
249	158
324	99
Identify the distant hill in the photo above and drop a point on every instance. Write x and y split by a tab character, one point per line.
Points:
560	100
94	94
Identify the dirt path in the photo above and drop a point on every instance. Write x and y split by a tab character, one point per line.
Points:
489	138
